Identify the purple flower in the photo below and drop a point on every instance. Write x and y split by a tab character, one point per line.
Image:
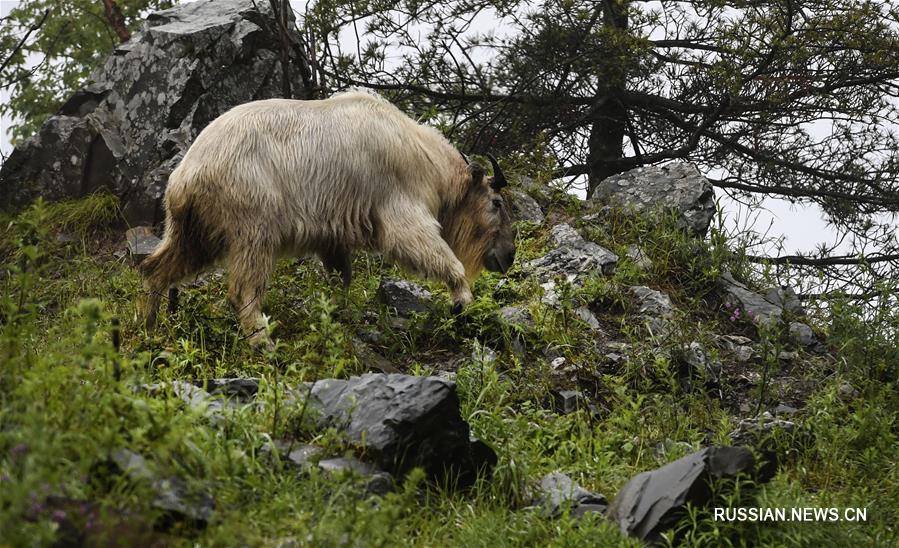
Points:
733	318
59	515
727	305
18	450
737	312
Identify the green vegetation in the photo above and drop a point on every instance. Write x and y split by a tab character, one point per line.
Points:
68	400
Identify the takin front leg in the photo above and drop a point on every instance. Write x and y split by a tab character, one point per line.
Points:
248	273
418	245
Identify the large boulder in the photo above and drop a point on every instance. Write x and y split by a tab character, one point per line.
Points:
677	187
126	130
403	422
654	501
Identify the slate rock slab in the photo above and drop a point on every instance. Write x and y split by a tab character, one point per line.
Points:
127	128
405	297
172	494
403	422
141	242
573	258
677	187
652	502
767	307
523	206
560	492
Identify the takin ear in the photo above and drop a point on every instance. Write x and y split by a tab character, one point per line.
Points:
477	174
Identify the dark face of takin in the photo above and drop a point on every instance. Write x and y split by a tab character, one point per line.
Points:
487	239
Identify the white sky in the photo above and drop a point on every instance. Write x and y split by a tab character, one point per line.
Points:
802	227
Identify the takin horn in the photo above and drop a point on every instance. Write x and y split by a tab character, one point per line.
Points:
499	180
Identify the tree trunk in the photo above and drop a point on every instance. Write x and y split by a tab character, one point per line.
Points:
606	142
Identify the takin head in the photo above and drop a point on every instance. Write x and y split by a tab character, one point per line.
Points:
479	229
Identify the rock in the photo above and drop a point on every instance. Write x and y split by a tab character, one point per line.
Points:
241	388
573	258
652	502
738	347
754	431
785	356
765	308
785	298
654	308
587	316
404	422
173	496
523	206
371	359
517	316
677	187
567	401
784	409
377	482
652	303
405	297
189	393
802	334
640	259
847	392
141	242
699	363
126	130
560	492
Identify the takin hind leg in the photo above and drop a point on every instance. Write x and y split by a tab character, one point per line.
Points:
340	261
420	247
249	269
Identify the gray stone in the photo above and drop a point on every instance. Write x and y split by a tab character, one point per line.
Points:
403	422
370	359
766	308
573	258
677	187
756	430
141	242
654	308
523	206
639	258
847	392
517	316
785	298
784	409
652	303
125	131
172	494
241	388
652	502
560	492
738	347
405	297
587	316
699	362
802	334
567	401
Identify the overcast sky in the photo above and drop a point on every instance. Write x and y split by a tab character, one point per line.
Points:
802	226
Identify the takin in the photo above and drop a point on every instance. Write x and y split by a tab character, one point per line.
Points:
285	177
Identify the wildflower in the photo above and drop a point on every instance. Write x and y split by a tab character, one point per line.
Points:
59	515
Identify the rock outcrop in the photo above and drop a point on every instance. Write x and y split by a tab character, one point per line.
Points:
126	130
676	187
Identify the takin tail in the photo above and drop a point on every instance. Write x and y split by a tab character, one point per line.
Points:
189	246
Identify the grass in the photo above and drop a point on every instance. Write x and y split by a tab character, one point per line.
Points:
68	400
